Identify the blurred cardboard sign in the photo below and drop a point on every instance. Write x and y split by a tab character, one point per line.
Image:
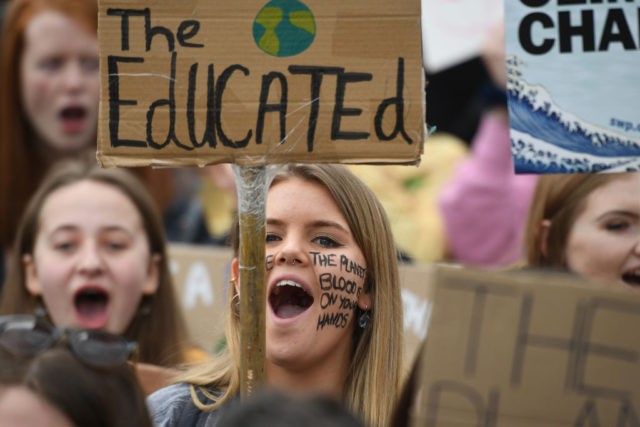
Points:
197	82
201	279
529	349
416	281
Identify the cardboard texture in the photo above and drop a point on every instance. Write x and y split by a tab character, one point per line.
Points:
196	82
201	278
525	349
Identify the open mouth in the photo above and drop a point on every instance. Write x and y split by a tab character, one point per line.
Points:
632	278
73	119
91	307
288	299
73	113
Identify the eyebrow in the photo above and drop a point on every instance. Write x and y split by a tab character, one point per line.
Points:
313	224
618	212
73	228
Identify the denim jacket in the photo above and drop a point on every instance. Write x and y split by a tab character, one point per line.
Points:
172	406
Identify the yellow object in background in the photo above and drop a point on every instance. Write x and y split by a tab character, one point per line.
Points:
219	207
409	195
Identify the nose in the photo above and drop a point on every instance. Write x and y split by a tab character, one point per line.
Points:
74	77
292	253
90	261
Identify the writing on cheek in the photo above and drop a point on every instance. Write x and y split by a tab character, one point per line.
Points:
329	281
339	298
268	262
324	260
337	308
349	266
338	320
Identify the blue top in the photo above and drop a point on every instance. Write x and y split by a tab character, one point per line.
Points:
172	406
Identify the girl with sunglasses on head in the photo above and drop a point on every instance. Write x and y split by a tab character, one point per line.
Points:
333	312
66	378
91	253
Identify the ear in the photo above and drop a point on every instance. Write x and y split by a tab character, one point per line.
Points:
30	276
152	282
543	231
234	275
364	301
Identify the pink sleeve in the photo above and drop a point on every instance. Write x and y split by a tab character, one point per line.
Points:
485	205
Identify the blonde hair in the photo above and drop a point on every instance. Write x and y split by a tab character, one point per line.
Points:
372	384
558	199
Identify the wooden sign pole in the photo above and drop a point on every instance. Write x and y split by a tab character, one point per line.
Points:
251	188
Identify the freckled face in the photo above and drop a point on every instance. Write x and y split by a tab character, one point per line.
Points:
604	242
91	262
315	278
60	82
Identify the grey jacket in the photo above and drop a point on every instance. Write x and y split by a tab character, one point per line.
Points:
172	406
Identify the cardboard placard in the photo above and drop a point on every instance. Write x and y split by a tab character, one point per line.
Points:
196	82
572	80
201	278
524	349
416	281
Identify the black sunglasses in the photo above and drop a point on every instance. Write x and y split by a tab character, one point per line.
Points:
25	336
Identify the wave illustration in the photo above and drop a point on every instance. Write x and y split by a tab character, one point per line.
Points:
546	139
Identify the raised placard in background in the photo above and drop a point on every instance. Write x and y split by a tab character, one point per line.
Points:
197	82
525	349
201	277
574	97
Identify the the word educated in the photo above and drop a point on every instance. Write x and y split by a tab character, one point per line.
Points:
271	83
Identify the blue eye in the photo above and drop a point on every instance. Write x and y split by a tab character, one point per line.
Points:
271	237
326	242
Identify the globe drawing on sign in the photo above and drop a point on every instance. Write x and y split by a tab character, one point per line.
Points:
284	28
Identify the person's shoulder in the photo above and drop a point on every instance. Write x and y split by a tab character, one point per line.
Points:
173	406
167	404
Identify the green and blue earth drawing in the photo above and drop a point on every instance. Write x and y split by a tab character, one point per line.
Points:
284	28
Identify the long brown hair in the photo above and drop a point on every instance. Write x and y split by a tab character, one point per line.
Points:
21	165
159	328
